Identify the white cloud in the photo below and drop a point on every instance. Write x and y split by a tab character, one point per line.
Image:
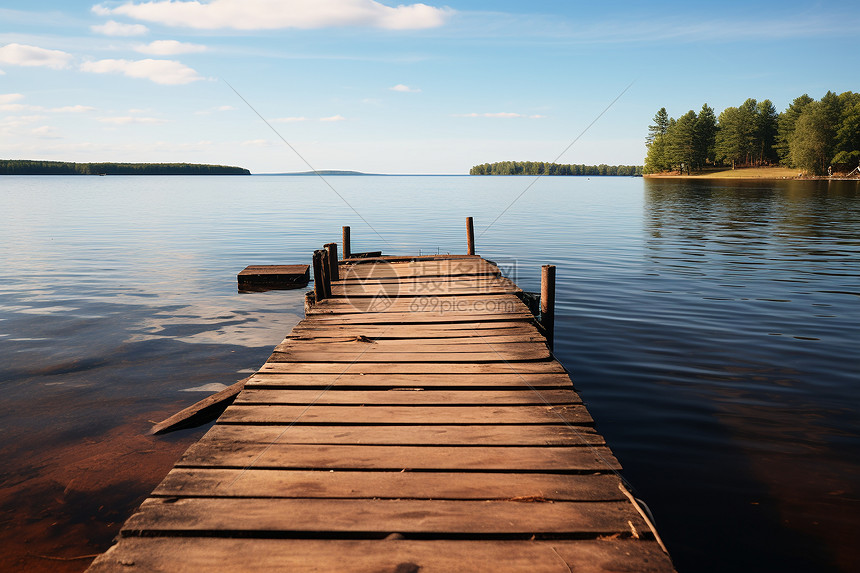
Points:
23	55
168	72
72	109
9	98
289	119
127	119
170	48
403	88
333	118
273	14
8	103
502	115
2	73
256	143
217	108
14	121
19	107
114	28
45	132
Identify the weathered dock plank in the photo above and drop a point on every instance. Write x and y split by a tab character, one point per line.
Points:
220	482
220	555
413	421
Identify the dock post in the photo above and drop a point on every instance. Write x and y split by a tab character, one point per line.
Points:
333	274
346	251
470	237
326	276
547	302
319	282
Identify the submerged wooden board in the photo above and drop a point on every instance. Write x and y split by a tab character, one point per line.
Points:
435	412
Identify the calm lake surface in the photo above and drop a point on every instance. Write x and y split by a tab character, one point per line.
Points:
712	328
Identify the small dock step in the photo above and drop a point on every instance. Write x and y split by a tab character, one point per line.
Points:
255	278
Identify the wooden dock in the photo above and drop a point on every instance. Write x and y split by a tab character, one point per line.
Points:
415	420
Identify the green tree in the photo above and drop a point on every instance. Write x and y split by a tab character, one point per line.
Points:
810	145
681	142
785	128
706	134
656	157
848	136
766	122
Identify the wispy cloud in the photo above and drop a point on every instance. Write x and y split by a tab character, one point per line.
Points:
72	109
216	108
333	118
129	119
45	132
170	48
24	55
404	88
114	28
167	72
643	28
501	115
9	98
269	15
288	119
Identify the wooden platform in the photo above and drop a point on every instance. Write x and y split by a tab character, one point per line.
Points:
415	421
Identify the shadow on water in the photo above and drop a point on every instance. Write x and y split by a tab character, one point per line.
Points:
713	363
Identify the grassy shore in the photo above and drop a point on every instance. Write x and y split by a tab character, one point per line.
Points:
744	173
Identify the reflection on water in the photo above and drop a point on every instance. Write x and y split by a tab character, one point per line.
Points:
711	327
775	274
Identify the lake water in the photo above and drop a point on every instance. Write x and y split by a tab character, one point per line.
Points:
711	327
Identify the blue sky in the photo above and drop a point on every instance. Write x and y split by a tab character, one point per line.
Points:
395	88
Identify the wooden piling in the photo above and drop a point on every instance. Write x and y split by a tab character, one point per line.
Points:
326	274
319	283
331	250
547	302
346	246
470	237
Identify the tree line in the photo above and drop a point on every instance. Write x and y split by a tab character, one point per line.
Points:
812	136
543	168
30	167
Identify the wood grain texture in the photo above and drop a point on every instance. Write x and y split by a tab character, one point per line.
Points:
289	517
528	381
414	397
299	484
547	435
400	458
399	415
183	555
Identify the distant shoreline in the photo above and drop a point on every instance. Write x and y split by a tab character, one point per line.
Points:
36	167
